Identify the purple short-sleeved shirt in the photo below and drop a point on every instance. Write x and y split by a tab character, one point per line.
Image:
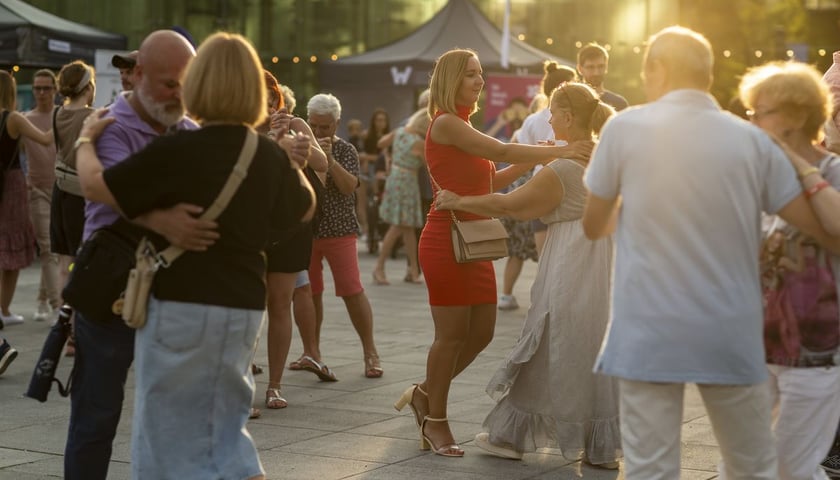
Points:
128	135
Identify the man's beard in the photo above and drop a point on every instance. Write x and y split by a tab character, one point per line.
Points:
167	114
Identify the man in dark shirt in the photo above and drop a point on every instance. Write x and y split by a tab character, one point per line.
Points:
592	63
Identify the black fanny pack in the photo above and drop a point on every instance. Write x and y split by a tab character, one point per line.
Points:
99	274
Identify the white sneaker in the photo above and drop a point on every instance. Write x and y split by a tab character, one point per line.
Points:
43	313
507	302
11	319
482	441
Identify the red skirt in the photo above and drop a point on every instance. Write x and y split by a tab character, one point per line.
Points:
17	237
451	283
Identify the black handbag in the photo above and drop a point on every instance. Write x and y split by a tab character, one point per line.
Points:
98	276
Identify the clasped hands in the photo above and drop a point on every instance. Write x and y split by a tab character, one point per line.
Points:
297	145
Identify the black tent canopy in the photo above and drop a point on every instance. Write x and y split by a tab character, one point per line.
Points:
30	37
391	76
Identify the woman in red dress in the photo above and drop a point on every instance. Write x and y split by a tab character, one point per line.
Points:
462	296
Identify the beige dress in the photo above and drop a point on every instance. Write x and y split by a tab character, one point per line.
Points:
547	394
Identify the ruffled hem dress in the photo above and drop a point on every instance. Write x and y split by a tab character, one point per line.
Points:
547	393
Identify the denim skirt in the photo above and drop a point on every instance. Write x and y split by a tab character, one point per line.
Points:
193	392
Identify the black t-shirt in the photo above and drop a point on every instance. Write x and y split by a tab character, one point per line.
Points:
192	167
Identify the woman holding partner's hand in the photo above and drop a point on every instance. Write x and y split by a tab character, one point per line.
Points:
548	395
462	296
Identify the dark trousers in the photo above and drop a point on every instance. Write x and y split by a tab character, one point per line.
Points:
104	352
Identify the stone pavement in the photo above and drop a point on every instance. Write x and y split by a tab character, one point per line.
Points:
343	430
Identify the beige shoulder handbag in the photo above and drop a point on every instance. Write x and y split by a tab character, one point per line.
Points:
477	240
141	277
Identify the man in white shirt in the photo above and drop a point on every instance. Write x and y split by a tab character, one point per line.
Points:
683	185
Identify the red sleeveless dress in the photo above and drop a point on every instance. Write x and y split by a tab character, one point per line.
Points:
450	283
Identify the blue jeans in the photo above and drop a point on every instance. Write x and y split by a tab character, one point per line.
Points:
104	352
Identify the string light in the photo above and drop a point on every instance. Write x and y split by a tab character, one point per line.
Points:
295	59
821	52
313	59
637	49
789	53
334	57
274	59
549	41
578	44
727	53
758	54
16	68
521	37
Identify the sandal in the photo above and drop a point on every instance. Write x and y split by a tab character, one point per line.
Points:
310	365
295	364
256	369
373	369
254	413
273	400
448	450
407	398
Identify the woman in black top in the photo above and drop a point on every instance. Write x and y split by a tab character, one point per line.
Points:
192	358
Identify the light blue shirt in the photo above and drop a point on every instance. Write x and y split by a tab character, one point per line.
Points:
686	299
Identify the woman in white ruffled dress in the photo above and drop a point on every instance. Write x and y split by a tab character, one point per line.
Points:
548	396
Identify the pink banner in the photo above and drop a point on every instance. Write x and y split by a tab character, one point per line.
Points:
506	102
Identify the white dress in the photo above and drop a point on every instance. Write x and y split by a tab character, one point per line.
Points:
547	393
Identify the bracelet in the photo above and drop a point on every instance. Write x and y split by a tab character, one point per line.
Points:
808	171
810	192
80	141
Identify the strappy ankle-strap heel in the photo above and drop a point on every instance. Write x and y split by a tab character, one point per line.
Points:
448	450
407	398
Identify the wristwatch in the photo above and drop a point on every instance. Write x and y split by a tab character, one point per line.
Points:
80	141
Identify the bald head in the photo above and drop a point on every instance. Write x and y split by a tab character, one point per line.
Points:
676	58
165	46
162	59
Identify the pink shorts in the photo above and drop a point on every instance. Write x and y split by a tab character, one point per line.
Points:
343	257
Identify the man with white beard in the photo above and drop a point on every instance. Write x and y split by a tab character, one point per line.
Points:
105	346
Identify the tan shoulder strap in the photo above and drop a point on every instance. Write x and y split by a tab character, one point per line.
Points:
436	184
240	171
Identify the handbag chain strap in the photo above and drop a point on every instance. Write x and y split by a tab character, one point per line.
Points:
237	175
436	184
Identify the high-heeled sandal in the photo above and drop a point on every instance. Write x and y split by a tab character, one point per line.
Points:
448	450
274	400
373	369
407	398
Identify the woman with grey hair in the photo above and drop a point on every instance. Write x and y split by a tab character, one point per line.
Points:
336	232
